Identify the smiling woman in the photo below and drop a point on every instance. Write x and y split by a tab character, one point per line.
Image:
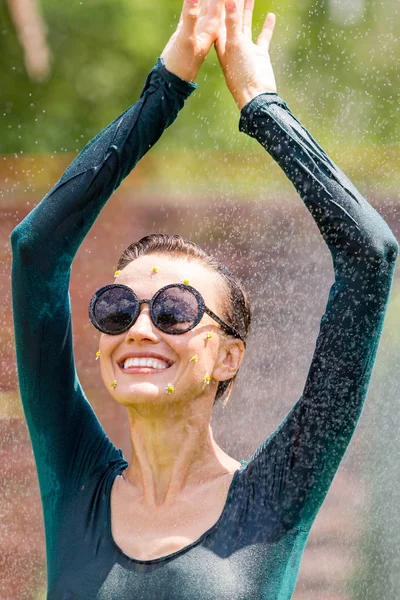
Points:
184	520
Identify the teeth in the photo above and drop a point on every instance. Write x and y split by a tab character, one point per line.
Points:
153	363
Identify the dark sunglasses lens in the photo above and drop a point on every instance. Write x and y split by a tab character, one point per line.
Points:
175	310
115	310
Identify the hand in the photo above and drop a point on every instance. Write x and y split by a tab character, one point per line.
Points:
196	32
246	66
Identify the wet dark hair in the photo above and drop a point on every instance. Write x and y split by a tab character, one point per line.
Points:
235	303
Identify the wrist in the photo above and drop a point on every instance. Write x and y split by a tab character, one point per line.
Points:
160	76
245	96
187	72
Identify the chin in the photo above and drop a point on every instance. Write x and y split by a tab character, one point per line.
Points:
139	393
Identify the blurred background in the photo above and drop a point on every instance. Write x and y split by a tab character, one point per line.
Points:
66	71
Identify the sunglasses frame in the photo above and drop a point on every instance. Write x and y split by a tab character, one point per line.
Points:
150	301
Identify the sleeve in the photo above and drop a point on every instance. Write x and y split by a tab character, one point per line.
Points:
296	464
68	440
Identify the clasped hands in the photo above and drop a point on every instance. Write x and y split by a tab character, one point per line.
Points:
226	24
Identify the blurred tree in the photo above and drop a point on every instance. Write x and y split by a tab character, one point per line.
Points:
336	65
31	32
348	54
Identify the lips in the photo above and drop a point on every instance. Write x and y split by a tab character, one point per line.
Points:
141	370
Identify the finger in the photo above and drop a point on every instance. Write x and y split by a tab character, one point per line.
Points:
203	7
213	20
190	15
248	18
264	39
232	19
220	42
240	5
215	8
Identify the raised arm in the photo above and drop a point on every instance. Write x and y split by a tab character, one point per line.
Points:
294	468
62	425
68	441
299	460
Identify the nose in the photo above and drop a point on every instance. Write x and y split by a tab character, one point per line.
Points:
143	328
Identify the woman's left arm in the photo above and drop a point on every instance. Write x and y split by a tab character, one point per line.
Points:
299	460
294	468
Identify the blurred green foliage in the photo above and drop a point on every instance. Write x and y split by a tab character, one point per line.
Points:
336	64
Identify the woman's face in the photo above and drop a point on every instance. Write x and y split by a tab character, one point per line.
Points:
186	359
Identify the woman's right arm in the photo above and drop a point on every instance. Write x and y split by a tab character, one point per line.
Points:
66	436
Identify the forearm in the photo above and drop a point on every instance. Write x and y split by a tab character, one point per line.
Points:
348	223
60	222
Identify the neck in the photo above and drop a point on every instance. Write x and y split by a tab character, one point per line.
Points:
173	451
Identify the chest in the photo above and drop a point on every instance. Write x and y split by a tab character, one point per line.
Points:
145	535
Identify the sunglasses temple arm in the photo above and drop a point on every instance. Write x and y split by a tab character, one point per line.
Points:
227	328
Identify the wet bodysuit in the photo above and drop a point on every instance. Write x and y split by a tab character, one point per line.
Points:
254	549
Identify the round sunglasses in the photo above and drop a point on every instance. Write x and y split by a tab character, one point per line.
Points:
174	309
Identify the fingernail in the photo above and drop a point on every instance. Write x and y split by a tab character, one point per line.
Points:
231	5
192	1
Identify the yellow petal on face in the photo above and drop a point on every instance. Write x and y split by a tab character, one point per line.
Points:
97	354
116	273
207	378
194	358
113	384
169	389
155	269
209	336
186	281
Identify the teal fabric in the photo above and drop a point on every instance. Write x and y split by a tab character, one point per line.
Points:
254	550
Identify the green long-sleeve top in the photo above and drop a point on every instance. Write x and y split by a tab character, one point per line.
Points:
254	549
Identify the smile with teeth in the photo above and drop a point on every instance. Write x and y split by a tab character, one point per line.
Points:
143	362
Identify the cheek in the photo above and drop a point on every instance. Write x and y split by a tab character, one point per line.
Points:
103	346
104	351
201	352
107	345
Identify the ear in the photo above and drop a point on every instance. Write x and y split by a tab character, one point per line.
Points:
229	359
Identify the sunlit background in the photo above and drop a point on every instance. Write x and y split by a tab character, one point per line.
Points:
66	70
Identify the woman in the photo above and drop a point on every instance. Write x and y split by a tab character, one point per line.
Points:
184	520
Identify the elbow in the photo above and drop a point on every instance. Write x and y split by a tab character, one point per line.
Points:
15	239
377	256
382	248
388	245
390	249
29	250
21	242
394	249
